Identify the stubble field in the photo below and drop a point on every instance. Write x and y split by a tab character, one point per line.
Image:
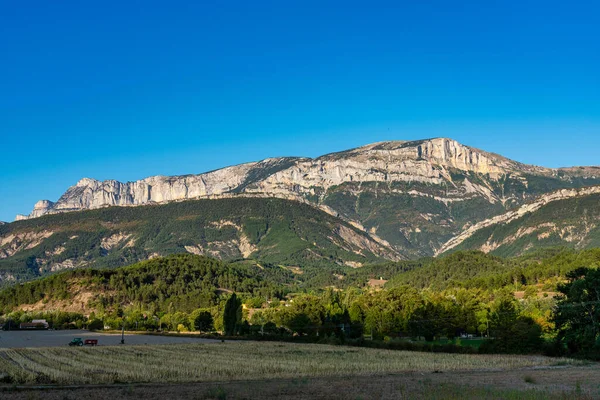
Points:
254	369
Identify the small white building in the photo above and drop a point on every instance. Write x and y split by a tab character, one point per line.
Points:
41	322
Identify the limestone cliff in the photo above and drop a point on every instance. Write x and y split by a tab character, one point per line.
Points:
413	195
428	161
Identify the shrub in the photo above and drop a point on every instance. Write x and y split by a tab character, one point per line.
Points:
202	321
95	325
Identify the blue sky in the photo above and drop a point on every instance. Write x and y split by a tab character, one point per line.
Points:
124	91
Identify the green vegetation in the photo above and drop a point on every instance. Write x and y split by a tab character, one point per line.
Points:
569	223
181	282
270	231
232	315
429	305
474	269
578	313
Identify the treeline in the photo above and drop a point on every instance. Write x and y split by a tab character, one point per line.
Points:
183	282
475	269
407	313
191	293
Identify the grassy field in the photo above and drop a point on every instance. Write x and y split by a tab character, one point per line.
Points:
233	361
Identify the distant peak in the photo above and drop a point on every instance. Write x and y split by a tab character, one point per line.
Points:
87	182
43	205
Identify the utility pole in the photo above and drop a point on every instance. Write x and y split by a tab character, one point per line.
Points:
123	334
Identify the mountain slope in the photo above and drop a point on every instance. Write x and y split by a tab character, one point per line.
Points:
569	217
269	230
474	269
415	195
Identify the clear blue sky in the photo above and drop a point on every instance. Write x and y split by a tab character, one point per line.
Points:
124	91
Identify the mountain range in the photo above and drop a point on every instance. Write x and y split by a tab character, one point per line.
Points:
384	201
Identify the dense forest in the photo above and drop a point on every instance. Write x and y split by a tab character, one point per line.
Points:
515	303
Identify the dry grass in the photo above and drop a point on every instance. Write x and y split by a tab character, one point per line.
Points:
233	361
504	385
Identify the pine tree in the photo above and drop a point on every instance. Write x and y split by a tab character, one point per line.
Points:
232	314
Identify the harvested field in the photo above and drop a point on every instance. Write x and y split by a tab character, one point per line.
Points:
572	383
236	361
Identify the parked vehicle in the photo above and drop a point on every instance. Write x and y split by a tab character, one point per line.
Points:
80	342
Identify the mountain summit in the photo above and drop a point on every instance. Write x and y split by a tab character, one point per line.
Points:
431	161
411	196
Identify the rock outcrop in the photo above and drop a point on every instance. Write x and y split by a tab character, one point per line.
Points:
90	193
428	161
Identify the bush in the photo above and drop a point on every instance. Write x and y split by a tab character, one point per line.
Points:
202	321
95	325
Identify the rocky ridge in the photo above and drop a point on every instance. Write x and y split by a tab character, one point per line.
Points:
412	196
513	215
427	161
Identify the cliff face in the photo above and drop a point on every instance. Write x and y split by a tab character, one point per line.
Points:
91	193
427	161
413	195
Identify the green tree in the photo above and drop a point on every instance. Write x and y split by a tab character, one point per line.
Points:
232	315
95	325
511	332
299	323
577	315
423	321
202	320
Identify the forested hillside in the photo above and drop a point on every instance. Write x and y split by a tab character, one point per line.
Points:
570	222
272	231
182	282
474	269
463	293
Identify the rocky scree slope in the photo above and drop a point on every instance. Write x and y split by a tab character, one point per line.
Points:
413	195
